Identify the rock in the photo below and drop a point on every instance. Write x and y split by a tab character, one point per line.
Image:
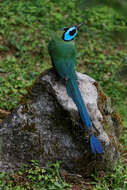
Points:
46	126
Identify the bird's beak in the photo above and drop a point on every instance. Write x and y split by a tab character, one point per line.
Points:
79	25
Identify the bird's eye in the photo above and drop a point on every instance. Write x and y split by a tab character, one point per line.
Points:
72	32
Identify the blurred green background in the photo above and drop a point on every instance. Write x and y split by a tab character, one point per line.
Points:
26	26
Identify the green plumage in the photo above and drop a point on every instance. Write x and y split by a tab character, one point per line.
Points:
63	55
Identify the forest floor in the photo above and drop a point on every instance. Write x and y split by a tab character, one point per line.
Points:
25	30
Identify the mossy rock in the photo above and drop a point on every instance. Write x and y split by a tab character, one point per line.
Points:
46	126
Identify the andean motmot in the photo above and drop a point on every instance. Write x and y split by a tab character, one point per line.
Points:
63	55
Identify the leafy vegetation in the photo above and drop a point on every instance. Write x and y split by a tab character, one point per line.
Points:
25	30
32	177
115	180
120	6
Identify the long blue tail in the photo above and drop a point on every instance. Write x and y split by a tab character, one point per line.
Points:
74	93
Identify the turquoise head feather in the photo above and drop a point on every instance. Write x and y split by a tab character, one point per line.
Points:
71	32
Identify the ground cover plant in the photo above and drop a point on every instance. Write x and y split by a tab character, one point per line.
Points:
25	30
32	177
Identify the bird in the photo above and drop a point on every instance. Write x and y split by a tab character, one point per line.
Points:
63	53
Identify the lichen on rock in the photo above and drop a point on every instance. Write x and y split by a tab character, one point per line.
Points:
46	126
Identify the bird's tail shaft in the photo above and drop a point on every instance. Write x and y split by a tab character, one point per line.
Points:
74	92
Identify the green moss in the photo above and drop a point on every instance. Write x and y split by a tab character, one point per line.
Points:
102	98
30	127
24	108
116	118
111	120
56	146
